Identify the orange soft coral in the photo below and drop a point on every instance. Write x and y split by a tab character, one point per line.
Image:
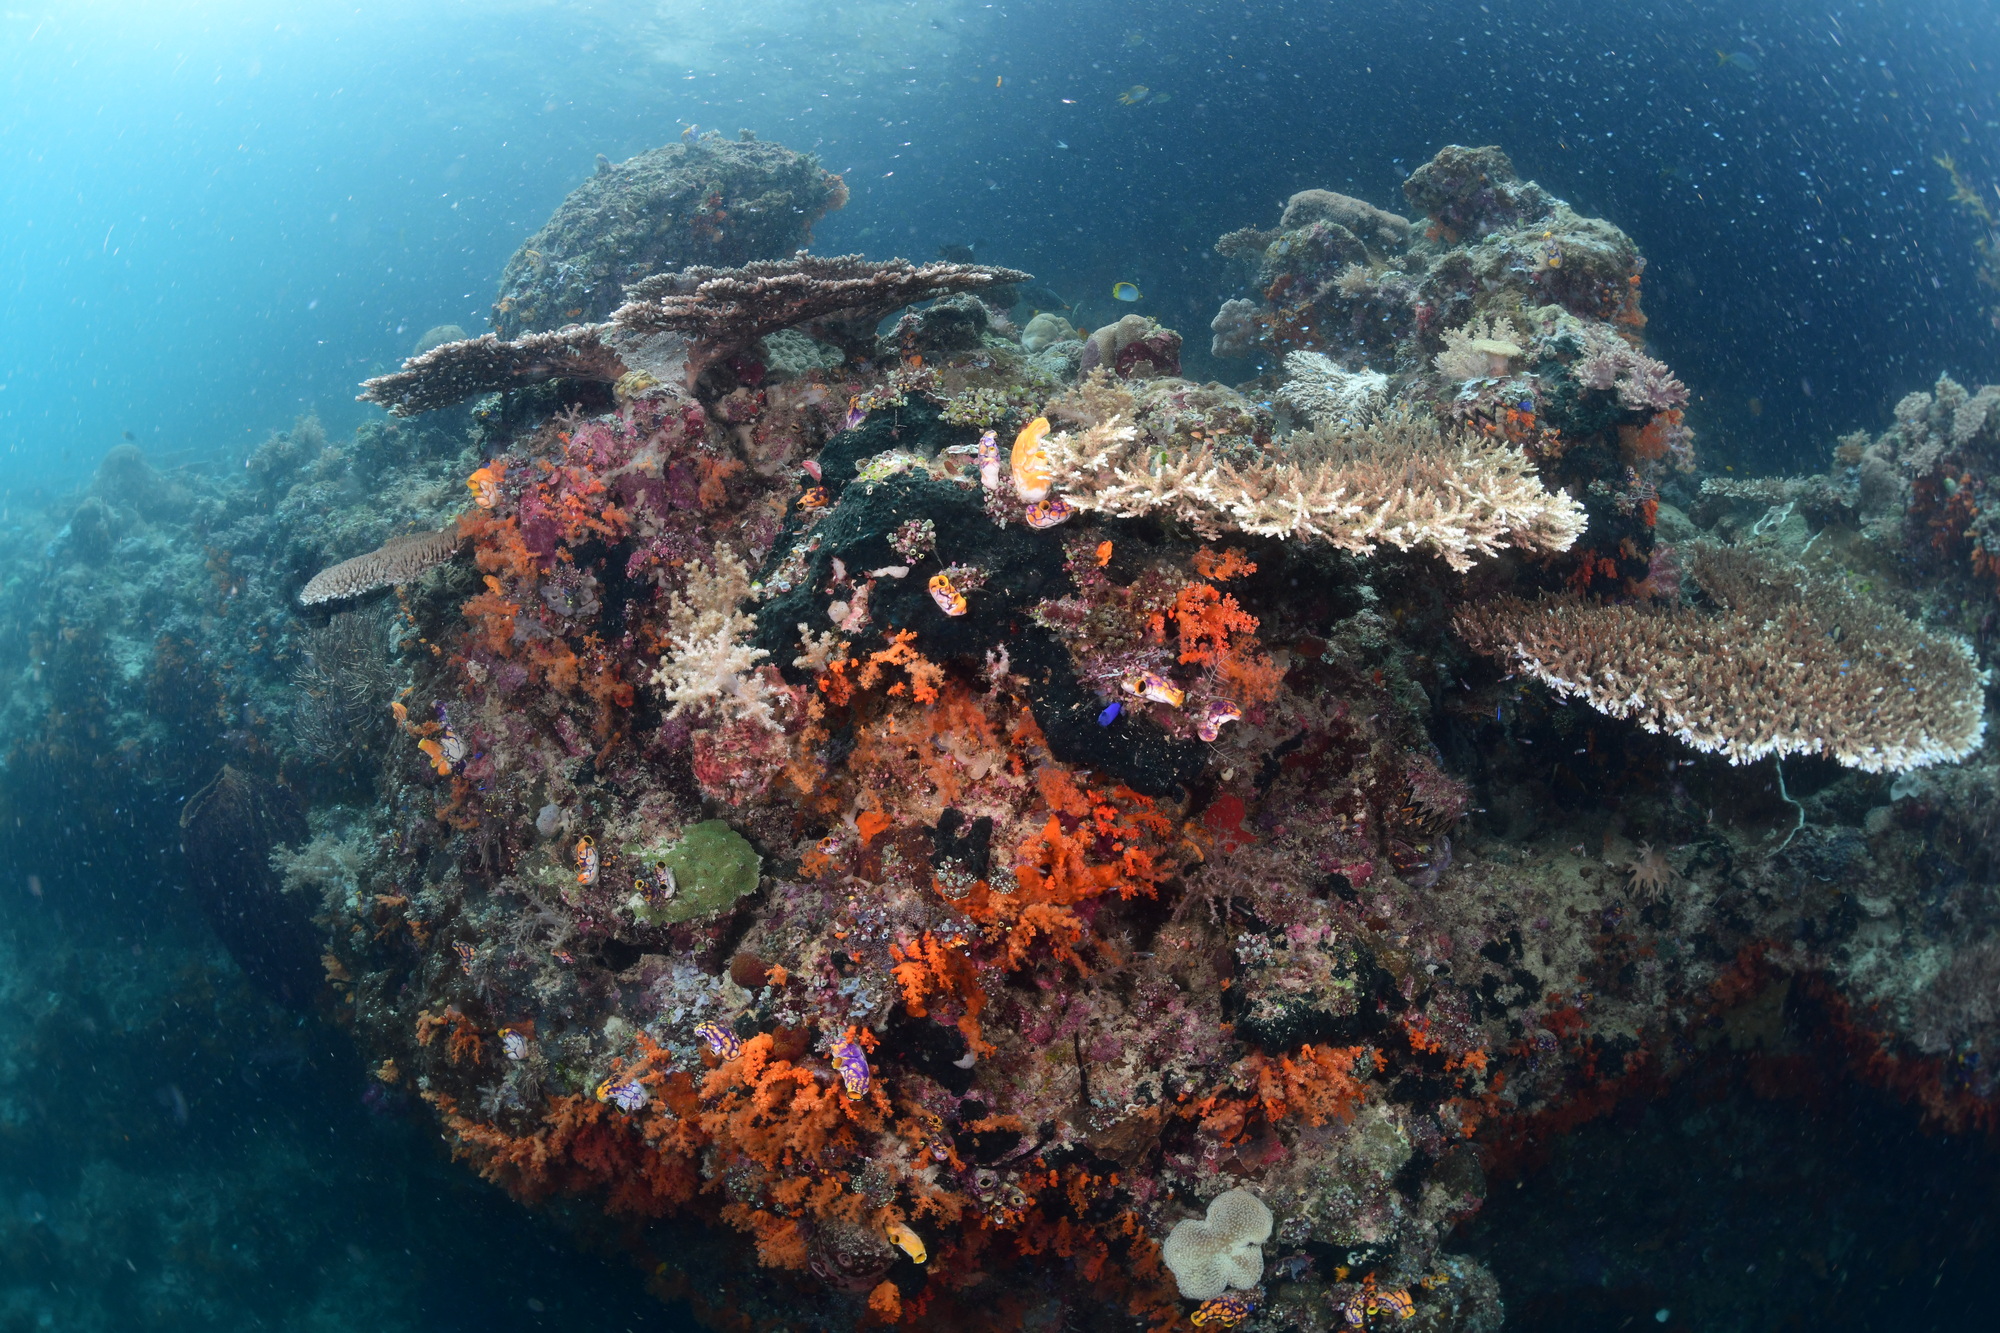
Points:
1091	844
932	970
1231	564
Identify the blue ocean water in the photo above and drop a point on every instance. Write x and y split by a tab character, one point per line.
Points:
222	215
218	217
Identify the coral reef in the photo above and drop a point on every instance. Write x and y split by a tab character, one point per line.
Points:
452	372
956	841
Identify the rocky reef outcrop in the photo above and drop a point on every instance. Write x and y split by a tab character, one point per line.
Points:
929	833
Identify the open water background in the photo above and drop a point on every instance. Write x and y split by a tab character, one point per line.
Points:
219	215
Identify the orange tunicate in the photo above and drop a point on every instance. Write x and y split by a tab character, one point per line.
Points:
1033	470
485	484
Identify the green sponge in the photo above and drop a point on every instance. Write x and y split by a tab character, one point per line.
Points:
713	865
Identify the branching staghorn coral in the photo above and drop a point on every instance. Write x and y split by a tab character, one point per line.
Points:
1400	480
1791	663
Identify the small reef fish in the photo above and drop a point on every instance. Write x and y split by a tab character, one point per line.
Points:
1742	60
721	1041
1224	1311
1134	95
627	1096
948	598
1033	470
485	484
989	461
1218	714
906	1240
1124	291
851	1063
811	466
1150	685
1047	513
586	861
1110	713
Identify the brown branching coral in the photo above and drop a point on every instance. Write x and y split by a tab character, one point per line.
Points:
724	311
456	371
1790	663
398	560
1399	479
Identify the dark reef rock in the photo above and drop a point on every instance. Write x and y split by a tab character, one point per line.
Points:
705	200
1022	567
1471	191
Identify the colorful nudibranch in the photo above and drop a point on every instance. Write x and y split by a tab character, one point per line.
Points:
1215	716
629	1095
1397	1303
1225	1311
814	498
586	861
989	461
720	1039
851	1063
